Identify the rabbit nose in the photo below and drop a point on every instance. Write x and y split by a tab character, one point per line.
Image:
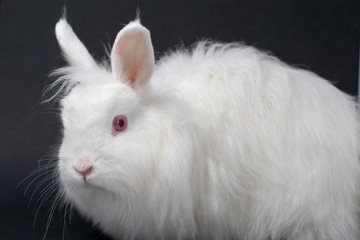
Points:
84	166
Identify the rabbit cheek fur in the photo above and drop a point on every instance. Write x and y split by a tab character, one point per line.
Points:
222	142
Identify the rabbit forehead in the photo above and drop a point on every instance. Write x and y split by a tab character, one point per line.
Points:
97	100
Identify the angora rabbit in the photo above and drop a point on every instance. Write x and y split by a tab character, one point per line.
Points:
218	142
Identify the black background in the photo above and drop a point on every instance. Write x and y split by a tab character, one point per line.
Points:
322	36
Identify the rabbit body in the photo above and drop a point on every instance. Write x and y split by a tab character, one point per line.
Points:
222	142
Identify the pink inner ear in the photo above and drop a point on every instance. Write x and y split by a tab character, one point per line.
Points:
133	52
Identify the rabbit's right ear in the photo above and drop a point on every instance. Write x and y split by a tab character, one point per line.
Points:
74	50
132	56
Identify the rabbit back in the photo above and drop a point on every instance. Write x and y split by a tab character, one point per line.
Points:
279	145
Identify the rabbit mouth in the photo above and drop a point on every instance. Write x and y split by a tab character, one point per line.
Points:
79	184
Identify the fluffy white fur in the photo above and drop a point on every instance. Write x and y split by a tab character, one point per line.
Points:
223	142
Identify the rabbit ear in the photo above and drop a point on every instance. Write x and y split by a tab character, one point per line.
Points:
74	50
132	56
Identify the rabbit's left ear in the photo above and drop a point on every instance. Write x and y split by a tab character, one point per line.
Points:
74	50
132	56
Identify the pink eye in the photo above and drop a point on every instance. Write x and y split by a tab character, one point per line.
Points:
119	123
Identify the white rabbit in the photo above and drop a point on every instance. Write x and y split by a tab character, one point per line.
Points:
218	142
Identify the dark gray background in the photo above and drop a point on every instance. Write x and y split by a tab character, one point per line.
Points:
322	36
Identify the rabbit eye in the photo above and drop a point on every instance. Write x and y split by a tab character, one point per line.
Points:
119	123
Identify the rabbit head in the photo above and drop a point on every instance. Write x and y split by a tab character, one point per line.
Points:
128	146
106	129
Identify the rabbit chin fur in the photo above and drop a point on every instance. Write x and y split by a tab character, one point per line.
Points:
223	142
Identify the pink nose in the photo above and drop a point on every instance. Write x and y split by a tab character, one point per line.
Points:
84	166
